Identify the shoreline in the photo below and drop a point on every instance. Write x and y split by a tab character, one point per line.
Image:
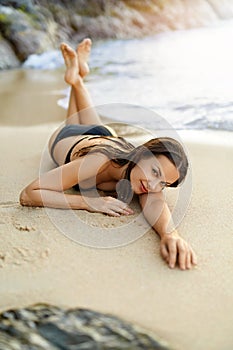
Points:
23	93
190	136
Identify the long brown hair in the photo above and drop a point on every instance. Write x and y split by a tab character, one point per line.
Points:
123	152
165	146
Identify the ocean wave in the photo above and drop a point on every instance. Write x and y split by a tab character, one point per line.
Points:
47	60
185	76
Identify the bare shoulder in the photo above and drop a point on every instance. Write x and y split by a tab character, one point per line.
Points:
85	167
93	158
92	162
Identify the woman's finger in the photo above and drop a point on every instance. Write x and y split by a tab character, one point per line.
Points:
193	257
172	253
182	254
129	210
188	260
164	252
112	213
122	206
124	211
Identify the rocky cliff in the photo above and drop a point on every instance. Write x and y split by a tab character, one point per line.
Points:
35	26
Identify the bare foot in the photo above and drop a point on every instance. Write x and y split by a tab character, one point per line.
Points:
83	50
72	65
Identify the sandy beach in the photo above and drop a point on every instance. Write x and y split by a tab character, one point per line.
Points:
192	310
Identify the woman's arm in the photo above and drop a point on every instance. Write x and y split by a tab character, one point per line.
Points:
47	190
173	248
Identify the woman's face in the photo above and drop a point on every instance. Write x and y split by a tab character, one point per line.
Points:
153	174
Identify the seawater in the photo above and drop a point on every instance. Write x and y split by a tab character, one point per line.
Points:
185	76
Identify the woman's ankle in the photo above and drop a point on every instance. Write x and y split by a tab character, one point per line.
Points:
78	82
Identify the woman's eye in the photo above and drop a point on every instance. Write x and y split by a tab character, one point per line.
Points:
154	171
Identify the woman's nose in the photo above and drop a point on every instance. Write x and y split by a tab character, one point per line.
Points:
153	186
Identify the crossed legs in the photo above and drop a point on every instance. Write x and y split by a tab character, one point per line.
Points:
81	109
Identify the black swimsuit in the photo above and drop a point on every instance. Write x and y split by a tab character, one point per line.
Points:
96	130
78	130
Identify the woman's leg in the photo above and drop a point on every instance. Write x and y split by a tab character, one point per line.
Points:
72	116
81	109
83	51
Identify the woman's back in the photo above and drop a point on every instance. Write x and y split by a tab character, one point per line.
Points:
70	148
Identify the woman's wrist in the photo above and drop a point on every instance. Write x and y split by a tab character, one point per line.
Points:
165	233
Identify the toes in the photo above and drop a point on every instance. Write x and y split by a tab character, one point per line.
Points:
69	55
85	44
64	53
83	51
63	47
86	41
67	49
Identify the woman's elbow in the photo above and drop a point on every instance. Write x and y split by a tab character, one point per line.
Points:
25	198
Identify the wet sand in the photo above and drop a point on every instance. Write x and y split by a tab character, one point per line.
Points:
38	263
29	97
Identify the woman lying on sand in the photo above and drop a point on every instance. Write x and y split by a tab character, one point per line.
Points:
89	156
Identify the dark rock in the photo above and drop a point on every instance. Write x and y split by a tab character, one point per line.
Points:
24	35
52	328
23	5
7	55
99	27
30	42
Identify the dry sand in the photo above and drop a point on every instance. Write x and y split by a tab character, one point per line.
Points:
193	310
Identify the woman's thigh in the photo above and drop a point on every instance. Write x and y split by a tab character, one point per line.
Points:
53	136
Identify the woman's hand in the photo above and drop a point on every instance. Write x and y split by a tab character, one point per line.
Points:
174	249
107	205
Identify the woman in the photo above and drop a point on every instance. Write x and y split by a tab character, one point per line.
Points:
90	156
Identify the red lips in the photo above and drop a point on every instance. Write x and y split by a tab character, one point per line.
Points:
144	190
